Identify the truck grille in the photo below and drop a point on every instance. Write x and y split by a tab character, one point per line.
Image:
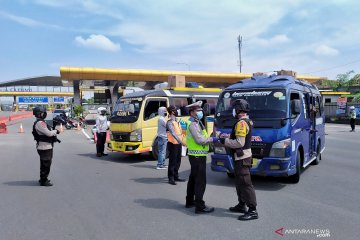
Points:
121	137
260	150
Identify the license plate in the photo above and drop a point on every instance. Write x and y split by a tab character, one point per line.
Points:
220	163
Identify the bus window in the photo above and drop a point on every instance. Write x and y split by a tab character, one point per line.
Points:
294	96
318	106
151	108
212	103
181	103
306	105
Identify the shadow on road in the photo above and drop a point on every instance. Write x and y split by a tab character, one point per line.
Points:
22	183
157	180
113	157
161	203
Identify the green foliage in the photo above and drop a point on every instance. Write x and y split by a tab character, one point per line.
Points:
78	110
356	98
347	80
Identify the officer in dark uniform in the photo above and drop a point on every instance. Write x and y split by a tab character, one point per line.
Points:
240	144
45	138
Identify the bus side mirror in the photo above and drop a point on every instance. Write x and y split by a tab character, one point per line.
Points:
206	109
131	108
295	106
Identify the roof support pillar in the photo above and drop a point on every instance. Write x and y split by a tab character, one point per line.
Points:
114	91
77	98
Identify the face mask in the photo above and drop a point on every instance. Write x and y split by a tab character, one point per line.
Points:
199	115
43	116
175	114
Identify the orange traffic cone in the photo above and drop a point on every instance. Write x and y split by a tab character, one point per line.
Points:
61	128
78	127
21	129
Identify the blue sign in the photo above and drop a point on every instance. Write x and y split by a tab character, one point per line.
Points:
33	100
59	99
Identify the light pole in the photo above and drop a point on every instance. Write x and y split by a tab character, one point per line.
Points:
184	64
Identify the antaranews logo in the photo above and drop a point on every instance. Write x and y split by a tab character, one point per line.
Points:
297	231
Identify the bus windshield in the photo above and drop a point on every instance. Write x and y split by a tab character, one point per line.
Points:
126	110
267	107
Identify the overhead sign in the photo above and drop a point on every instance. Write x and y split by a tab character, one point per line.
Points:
59	99
33	100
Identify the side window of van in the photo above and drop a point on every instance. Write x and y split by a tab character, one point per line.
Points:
212	103
152	107
181	103
294	96
318	106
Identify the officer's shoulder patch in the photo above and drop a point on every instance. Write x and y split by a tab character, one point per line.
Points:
43	124
240	129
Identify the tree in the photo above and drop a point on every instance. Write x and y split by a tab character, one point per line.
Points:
347	80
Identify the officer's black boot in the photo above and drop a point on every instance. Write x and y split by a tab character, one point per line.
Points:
189	203
250	215
200	207
45	183
239	208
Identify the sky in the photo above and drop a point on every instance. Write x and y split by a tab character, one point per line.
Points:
320	38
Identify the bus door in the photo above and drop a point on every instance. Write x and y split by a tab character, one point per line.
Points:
309	126
150	118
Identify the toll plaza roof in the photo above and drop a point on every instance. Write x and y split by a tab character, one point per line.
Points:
76	73
34	81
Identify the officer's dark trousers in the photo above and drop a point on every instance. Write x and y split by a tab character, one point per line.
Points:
197	181
244	188
100	144
352	123
174	160
45	163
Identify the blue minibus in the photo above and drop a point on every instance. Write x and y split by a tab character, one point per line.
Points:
289	125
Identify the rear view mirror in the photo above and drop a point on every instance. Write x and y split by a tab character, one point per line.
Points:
295	106
206	109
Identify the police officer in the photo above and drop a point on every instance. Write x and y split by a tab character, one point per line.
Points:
101	129
45	138
174	146
240	144
197	141
352	116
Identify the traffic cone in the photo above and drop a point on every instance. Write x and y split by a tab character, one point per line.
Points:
61	128
21	129
78	126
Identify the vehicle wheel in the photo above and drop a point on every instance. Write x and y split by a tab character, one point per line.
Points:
296	177
230	175
318	155
68	126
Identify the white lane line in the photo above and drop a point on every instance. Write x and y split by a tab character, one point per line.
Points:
86	135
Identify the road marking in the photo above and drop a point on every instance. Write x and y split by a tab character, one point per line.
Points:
86	135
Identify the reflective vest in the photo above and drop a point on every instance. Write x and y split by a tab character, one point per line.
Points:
195	149
178	132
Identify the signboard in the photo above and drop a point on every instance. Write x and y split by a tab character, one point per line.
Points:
341	105
59	99
33	100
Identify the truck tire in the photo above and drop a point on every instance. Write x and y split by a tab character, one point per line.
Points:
296	177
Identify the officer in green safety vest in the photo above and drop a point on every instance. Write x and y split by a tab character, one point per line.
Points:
197	141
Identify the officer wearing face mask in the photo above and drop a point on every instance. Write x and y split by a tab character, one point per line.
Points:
240	144
45	138
197	141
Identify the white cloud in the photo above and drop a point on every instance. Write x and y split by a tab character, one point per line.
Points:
324	50
99	42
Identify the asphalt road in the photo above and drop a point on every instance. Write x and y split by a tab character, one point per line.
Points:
119	197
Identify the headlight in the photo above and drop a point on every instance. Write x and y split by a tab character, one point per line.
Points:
135	136
279	148
220	150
